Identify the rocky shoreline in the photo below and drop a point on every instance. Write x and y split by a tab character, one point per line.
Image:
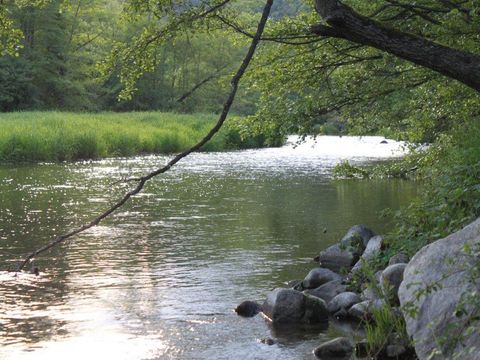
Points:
345	287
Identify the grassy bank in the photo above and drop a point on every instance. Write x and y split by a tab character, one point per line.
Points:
61	136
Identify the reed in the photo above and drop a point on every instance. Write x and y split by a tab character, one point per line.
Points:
63	136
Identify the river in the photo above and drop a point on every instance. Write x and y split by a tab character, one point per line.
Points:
160	279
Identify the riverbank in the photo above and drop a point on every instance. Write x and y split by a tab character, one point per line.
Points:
65	136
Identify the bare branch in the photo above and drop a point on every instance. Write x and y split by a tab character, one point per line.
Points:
143	180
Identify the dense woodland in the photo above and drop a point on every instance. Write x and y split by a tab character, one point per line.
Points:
55	65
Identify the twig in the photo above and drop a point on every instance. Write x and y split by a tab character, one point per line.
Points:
142	180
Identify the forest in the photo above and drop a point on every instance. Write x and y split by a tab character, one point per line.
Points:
95	79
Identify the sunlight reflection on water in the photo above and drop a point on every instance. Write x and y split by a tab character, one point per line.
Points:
160	279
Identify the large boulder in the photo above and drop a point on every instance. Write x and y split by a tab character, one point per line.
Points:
328	290
343	301
443	267
337	348
318	277
374	246
337	258
291	306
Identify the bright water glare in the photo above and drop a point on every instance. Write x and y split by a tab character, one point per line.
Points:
160	279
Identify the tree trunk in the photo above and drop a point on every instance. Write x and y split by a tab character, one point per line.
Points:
343	22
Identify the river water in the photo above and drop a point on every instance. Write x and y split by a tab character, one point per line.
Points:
160	279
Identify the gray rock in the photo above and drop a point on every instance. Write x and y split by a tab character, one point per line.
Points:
391	279
377	304
318	277
373	248
400	258
444	263
337	259
341	314
355	233
369	294
328	290
336	348
344	300
394	351
248	308
361	311
290	306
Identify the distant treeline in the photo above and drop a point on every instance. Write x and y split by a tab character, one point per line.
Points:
56	68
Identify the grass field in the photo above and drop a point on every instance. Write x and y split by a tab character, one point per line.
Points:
61	136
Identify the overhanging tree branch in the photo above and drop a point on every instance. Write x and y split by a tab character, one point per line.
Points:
343	22
143	180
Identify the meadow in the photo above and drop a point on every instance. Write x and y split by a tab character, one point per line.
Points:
63	136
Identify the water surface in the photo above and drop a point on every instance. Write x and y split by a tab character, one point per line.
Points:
160	279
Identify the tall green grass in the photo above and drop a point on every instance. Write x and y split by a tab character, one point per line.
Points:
62	136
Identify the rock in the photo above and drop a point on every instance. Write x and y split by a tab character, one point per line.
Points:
445	263
336	348
290	306
341	314
268	341
337	259
355	234
328	290
248	308
361	310
344	300
361	349
394	351
369	294
384	142
391	279
400	258
373	248
318	277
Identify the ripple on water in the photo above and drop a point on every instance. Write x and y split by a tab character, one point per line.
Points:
160	279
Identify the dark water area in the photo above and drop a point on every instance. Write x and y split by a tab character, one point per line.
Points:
160	278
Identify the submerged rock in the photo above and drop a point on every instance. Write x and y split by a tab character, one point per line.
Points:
436	327
291	306
248	308
318	277
334	349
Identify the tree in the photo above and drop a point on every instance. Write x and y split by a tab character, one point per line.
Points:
344	23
